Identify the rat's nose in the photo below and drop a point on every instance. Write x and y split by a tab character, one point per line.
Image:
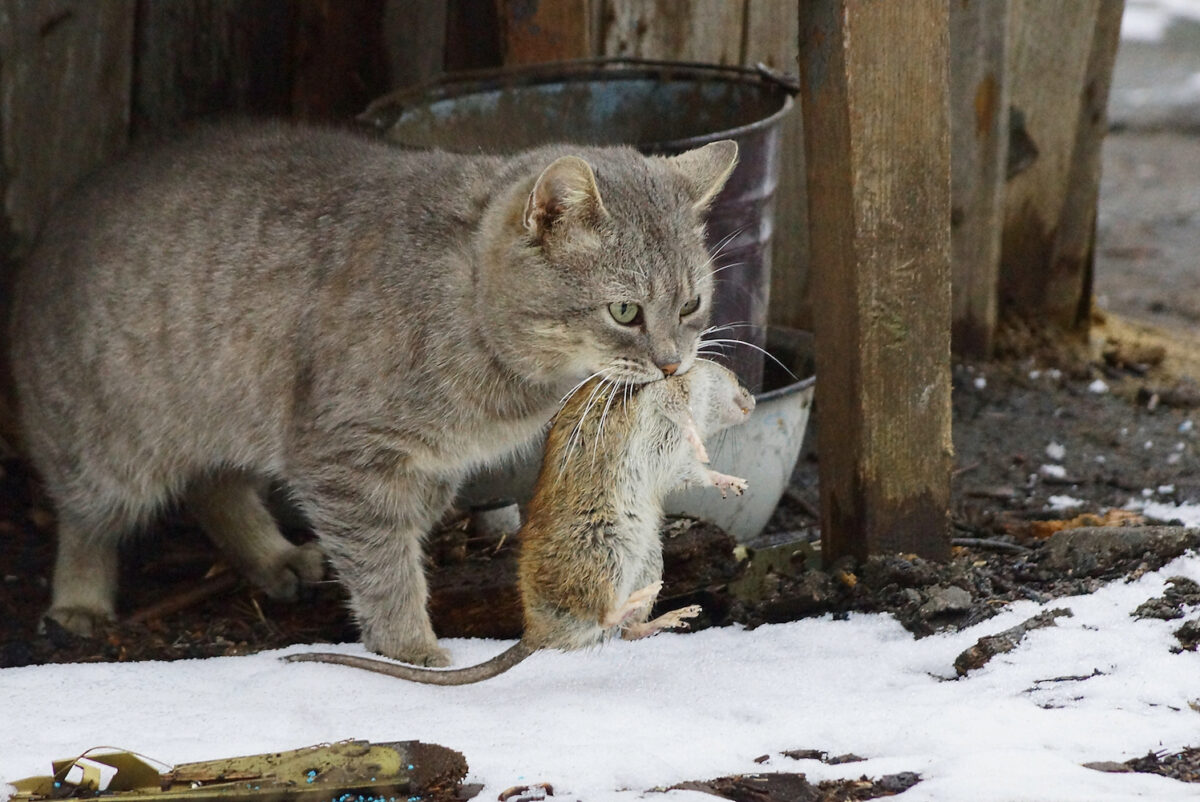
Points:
669	368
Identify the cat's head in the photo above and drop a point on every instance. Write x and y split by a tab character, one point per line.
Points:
604	268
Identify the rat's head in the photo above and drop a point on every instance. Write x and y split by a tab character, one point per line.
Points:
716	398
608	273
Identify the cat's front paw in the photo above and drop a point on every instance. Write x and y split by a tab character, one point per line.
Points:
82	621
299	566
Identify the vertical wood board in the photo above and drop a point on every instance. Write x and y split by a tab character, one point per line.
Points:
1070	269
199	57
415	40
536	31
701	30
1050	46
875	91
339	61
979	149
64	98
773	38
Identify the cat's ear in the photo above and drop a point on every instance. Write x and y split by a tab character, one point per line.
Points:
706	169
566	187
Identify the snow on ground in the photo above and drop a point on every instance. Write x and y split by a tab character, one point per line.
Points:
611	723
1149	20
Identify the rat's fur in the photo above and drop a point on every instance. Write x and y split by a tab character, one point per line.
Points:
362	322
591	555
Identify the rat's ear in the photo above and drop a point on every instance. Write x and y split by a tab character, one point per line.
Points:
706	169
567	188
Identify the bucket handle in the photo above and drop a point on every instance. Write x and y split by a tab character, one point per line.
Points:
384	110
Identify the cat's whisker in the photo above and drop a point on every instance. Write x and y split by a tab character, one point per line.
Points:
576	432
726	267
575	389
603	417
758	348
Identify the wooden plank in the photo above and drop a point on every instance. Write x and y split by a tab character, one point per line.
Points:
64	98
1073	261
65	74
199	57
702	30
340	64
546	31
979	149
773	38
877	143
1050	47
415	40
473	36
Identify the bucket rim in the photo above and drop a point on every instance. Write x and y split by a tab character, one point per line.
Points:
383	112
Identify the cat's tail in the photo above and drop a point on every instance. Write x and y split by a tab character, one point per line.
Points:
430	676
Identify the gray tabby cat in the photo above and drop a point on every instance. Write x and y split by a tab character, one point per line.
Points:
366	324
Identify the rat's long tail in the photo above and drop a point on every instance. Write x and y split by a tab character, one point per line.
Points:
430	676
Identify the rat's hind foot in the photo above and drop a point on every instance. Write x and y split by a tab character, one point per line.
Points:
639	602
675	619
725	482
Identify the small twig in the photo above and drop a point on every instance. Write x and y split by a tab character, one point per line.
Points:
964	469
989	646
206	588
990	545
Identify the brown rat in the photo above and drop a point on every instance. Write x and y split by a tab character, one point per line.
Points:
591	556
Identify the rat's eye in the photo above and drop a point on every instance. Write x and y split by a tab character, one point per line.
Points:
690	307
625	313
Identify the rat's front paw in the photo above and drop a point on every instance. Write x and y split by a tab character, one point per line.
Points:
725	482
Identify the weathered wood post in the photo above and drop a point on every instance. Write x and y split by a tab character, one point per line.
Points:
877	149
978	158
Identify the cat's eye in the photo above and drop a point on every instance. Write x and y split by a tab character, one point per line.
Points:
625	313
690	307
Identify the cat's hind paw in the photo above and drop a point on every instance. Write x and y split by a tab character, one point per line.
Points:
295	568
81	621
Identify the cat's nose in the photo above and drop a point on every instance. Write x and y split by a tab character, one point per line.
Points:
669	368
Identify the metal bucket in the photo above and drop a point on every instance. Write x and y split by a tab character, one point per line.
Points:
658	107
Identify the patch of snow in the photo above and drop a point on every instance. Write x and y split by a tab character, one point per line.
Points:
1174	459
1187	512
1149	444
607	724
980	382
1098	387
1053	471
1186	426
1056	451
1035	374
1100	458
1149	20
1061	503
1165	490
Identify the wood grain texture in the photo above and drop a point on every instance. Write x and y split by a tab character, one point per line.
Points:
65	72
415	40
979	149
1050	49
64	98
773	38
700	30
1073	260
547	30
875	91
